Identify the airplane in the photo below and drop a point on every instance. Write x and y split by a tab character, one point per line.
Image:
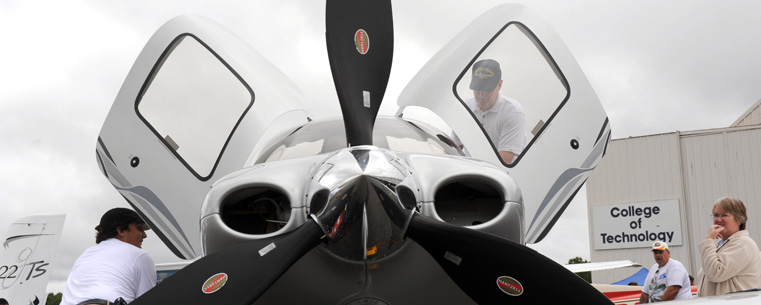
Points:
618	294
29	248
215	148
629	295
584	267
165	270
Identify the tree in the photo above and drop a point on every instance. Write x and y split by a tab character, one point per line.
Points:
587	276
54	299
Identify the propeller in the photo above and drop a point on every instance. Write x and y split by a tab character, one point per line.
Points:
489	269
360	39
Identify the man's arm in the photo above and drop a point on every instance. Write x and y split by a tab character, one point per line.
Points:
644	298
146	274
512	133
671	292
507	156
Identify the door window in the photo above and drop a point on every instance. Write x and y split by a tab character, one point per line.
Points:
193	102
526	85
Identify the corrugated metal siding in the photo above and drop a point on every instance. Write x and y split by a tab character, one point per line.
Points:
705	179
643	160
750	117
727	163
696	168
745	159
635	170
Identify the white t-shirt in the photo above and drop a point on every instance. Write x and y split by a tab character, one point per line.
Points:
109	270
504	123
672	274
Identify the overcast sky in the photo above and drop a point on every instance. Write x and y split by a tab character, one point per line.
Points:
657	66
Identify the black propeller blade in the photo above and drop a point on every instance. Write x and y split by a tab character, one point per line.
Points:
360	38
492	270
238	274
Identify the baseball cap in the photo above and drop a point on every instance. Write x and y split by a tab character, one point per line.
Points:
659	245
486	75
121	215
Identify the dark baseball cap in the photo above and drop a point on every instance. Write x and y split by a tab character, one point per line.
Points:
486	75
116	215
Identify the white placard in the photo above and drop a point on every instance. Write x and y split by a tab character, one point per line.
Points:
637	225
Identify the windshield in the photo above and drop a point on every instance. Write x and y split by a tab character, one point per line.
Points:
390	133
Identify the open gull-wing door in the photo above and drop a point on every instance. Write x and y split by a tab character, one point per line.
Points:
566	128
192	109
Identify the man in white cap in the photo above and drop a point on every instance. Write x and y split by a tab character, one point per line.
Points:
501	117
667	279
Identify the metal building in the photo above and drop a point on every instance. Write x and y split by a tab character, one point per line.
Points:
663	186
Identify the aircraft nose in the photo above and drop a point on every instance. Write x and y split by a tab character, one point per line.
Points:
361	180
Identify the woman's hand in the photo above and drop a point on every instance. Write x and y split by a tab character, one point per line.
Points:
714	231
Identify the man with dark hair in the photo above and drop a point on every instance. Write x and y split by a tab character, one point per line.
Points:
3	301
500	116
116	267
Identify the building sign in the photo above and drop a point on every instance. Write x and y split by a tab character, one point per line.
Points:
637	225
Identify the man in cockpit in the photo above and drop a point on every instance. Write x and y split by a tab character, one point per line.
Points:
501	117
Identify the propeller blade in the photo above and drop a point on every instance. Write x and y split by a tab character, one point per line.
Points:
238	274
492	270
360	41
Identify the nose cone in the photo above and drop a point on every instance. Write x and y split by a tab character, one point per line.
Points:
361	180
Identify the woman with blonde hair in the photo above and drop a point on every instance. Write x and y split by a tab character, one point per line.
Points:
730	258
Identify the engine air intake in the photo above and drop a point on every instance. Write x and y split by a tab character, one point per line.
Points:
257	210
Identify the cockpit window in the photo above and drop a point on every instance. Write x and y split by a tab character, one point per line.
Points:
297	150
406	145
390	133
512	87
413	137
193	101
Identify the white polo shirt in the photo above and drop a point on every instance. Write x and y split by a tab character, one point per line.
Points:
504	123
